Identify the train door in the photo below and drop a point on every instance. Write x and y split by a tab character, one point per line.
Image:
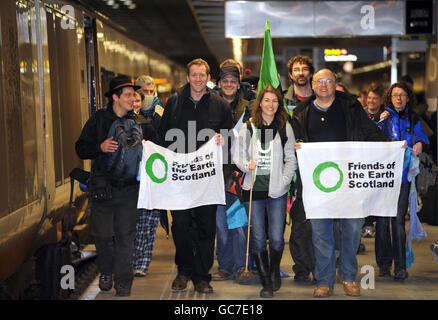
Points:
93	83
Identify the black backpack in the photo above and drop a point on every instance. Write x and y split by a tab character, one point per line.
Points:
123	163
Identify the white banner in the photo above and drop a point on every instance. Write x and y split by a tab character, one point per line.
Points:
350	179
179	181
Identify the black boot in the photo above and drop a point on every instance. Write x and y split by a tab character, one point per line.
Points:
275	257
262	263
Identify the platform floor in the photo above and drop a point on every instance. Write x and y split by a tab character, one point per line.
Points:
422	283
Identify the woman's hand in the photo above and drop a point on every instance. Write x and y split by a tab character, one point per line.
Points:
417	148
297	146
384	115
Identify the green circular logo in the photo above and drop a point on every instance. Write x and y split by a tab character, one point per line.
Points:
317	173
150	172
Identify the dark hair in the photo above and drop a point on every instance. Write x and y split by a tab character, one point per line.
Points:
118	93
377	88
300	59
407	78
141	93
281	115
402	85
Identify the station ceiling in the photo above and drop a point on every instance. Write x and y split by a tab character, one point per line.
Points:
187	29
169	27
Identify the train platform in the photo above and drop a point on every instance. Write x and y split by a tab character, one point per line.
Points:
422	283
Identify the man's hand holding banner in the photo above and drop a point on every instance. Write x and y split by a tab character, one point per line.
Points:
350	179
179	181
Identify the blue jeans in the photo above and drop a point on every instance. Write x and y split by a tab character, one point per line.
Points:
231	243
275	208
385	250
324	246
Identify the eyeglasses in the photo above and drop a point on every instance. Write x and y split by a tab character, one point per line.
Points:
401	96
296	70
322	81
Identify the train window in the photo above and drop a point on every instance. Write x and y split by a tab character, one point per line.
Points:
65	82
20	156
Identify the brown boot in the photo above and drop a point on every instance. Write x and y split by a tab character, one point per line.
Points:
322	292
351	288
180	282
203	287
221	276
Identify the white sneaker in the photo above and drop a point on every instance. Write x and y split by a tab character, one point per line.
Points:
139	273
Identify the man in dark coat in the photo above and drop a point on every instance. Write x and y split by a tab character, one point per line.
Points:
300	71
192	109
331	115
113	221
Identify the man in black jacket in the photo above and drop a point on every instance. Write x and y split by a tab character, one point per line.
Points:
231	243
300	70
192	109
331	115
113	221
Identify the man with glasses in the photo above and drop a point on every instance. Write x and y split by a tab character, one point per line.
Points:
300	70
331	115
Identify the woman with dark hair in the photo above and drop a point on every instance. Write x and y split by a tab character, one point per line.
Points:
401	124
265	152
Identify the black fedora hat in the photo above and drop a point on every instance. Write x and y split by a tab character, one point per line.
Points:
120	82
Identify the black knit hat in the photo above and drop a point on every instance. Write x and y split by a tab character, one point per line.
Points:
234	71
120	82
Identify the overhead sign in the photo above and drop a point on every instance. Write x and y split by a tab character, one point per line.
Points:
338	55
354	54
246	19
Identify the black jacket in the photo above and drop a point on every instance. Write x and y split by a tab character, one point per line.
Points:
212	112
358	126
290	97
94	132
147	126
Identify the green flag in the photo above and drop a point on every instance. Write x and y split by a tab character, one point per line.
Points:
268	69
